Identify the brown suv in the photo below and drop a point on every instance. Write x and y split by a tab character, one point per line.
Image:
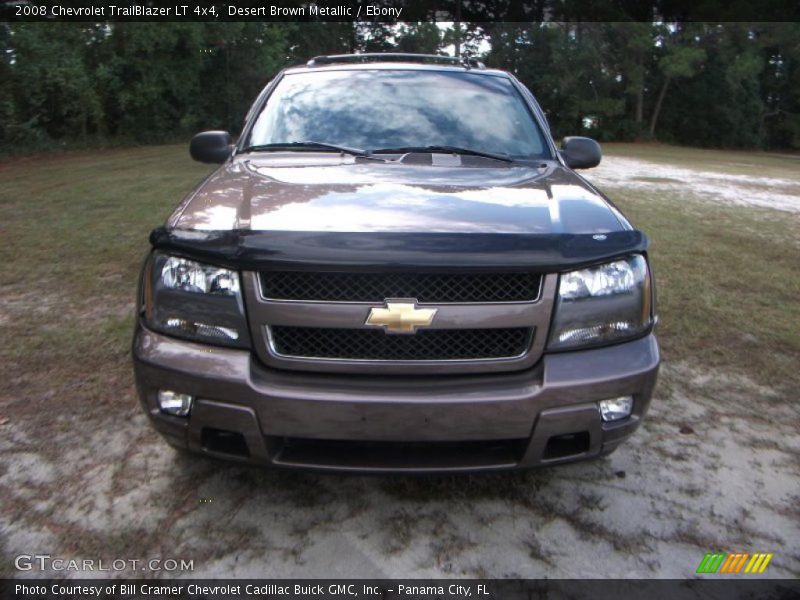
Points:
395	269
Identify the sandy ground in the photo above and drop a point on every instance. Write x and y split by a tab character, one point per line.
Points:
709	186
708	471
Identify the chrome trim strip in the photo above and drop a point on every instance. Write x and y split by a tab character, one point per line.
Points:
262	313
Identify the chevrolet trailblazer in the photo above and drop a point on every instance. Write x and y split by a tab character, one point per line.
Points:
395	269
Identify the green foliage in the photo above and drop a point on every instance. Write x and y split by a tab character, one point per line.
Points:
681	61
139	82
425	38
729	85
51	92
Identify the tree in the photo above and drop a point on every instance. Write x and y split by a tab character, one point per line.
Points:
681	60
239	60
53	93
425	38
374	37
629	48
313	39
779	83
8	117
739	83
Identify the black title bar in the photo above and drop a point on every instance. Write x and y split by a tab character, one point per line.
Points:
400	10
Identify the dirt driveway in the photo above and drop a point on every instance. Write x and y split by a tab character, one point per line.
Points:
711	470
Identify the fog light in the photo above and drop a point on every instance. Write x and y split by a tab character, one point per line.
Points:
202	329
615	409
174	403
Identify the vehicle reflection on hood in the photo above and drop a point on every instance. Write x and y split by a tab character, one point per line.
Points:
393	198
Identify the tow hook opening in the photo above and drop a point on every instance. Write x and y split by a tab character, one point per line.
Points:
568	444
224	442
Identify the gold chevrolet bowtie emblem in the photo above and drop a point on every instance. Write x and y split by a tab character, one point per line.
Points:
401	317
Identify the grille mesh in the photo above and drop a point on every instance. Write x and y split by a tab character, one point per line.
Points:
375	344
425	287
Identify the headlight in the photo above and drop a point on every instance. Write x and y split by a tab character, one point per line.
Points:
190	276
607	303
196	301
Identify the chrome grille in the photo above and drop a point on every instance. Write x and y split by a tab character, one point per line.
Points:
374	344
332	286
318	329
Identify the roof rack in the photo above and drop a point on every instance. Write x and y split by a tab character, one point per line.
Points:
464	61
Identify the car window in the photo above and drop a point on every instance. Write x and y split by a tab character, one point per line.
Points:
372	109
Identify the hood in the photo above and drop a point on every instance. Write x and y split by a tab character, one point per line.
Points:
329	193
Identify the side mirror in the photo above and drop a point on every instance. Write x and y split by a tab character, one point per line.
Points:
581	152
211	146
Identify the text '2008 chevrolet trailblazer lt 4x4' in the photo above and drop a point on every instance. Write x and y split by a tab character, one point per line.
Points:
393	270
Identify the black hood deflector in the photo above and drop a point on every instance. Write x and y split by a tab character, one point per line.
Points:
298	250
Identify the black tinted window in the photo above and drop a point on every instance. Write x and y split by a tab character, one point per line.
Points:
381	109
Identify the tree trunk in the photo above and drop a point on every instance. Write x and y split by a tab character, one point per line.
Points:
657	109
639	106
457	29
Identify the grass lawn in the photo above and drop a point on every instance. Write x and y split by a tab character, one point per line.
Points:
83	476
728	284
75	230
740	162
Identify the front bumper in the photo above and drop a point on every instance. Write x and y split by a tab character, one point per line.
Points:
248	412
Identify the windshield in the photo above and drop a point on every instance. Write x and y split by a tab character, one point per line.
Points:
374	109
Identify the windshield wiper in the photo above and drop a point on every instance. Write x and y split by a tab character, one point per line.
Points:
310	145
443	149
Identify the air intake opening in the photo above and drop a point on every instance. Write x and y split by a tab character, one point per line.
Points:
568	444
400	455
225	442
